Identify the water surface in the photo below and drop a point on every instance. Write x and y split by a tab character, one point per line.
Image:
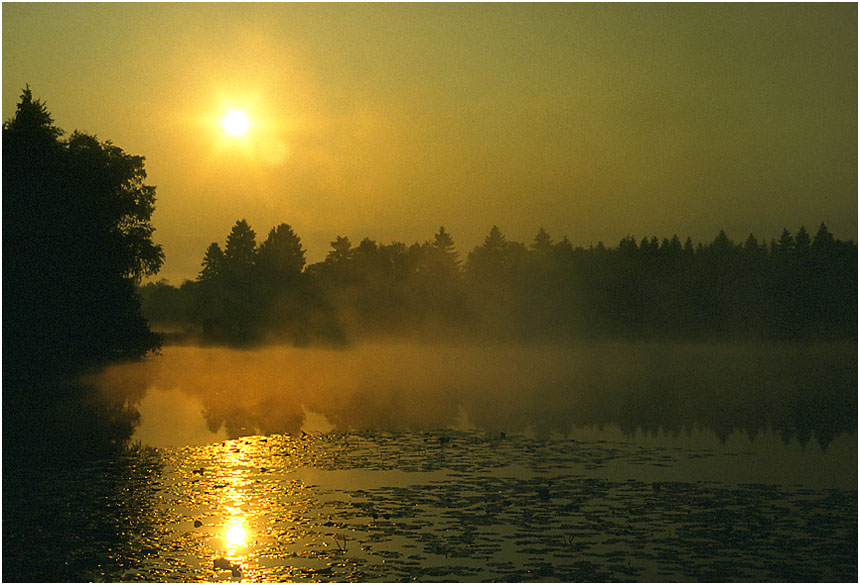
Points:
600	463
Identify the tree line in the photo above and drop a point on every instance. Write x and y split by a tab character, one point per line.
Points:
795	287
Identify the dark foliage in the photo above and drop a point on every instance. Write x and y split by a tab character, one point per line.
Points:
248	293
798	288
76	236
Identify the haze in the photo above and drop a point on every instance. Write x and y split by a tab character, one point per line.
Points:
387	121
800	391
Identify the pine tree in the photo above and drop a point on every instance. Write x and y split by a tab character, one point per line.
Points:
340	251
785	245
801	242
213	264
281	253
542	243
240	252
823	244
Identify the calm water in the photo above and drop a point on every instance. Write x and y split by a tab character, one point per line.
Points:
674	477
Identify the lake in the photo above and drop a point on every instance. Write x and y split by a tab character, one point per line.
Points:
404	462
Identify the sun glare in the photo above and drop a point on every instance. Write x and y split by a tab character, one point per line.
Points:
236	123
235	535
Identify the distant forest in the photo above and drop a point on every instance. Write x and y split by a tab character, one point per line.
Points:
797	287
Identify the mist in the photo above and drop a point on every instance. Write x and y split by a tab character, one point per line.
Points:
453	303
800	391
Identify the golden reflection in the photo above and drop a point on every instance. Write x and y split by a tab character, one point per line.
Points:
236	533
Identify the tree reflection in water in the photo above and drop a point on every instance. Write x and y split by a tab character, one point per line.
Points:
799	391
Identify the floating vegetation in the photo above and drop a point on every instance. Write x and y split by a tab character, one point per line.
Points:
449	505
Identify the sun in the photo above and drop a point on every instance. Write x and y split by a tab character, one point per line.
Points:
236	123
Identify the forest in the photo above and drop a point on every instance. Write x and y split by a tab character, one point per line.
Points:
796	287
78	243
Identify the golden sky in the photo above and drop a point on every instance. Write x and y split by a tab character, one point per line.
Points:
594	121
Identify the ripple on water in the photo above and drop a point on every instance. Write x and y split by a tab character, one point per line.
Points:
424	506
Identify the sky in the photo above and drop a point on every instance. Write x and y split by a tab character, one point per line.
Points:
387	121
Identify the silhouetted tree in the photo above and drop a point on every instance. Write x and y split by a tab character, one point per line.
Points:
494	273
367	285
76	234
441	258
210	300
213	263
340	251
76	237
823	244
688	248
801	242
284	294
542	243
227	305
166	305
496	258
785	245
564	248
832	271
240	252
722	246
628	247
282	253
434	285
751	247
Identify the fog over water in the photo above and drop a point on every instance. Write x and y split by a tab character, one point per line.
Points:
603	462
803	392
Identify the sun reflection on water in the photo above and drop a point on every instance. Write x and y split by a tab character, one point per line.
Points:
236	536
236	533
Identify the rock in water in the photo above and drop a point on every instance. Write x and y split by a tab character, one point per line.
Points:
222	563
